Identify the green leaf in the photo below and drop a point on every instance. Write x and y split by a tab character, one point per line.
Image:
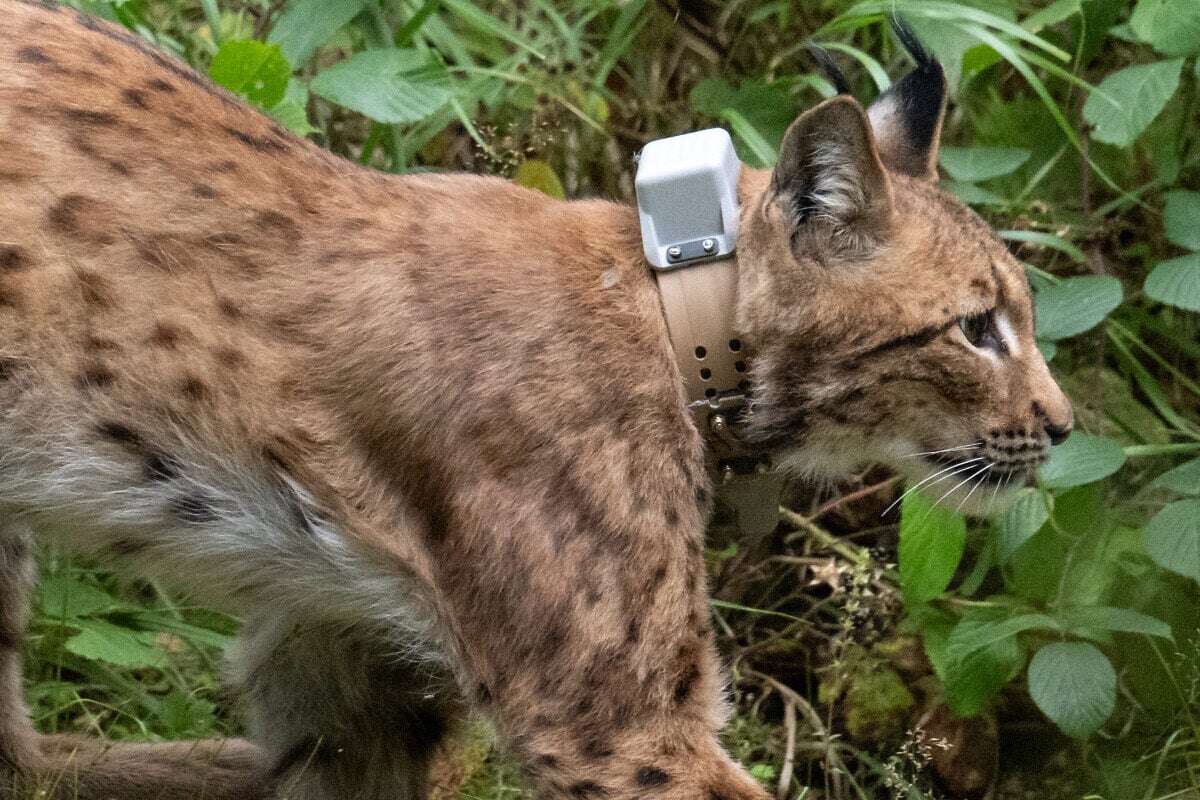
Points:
484	22
1025	517
390	86
1043	239
253	69
1075	305
971	635
65	597
973	164
103	641
1128	100
194	634
1047	348
1172	27
973	681
1173	538
752	140
1184	479
1176	282
292	116
932	539
305	25
1052	15
539	175
973	195
1108	618
1075	685
1181	218
1081	459
759	113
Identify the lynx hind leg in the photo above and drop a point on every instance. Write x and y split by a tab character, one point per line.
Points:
18	741
341	713
78	768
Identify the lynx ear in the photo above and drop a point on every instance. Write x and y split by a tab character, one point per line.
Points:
830	180
907	118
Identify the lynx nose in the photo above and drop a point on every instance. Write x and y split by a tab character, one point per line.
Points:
1057	433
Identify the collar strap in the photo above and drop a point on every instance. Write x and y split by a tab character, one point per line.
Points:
698	303
687	204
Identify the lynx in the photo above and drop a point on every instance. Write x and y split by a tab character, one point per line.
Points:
426	434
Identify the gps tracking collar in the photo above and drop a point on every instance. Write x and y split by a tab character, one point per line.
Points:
687	202
688	205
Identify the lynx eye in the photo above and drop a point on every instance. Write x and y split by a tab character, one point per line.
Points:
977	328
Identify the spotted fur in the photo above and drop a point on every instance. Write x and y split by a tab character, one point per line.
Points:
426	433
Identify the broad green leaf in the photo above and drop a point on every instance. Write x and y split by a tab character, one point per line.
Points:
65	597
1047	348
305	25
1176	282
1181	217
1075	685
1075	305
932	539
973	164
292	116
1172	27
1107	618
1128	100
1184	479
973	195
972	682
1036	570
1173	538
971	635
292	111
1081	459
390	86
104	641
539	175
1025	517
194	634
253	69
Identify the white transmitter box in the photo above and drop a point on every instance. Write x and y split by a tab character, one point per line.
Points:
687	198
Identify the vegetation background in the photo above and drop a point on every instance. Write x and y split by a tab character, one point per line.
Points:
1053	652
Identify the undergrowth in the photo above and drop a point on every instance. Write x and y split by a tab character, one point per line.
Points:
1050	653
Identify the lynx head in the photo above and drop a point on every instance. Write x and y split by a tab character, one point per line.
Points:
890	323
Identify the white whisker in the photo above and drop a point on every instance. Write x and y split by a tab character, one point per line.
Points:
995	494
955	467
971	446
978	483
983	469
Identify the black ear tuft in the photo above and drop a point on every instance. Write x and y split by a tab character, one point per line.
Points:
830	68
907	118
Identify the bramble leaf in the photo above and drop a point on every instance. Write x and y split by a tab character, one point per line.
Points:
1128	100
1075	685
390	86
253	69
1081	459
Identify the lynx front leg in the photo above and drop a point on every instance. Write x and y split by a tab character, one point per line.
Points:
589	635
